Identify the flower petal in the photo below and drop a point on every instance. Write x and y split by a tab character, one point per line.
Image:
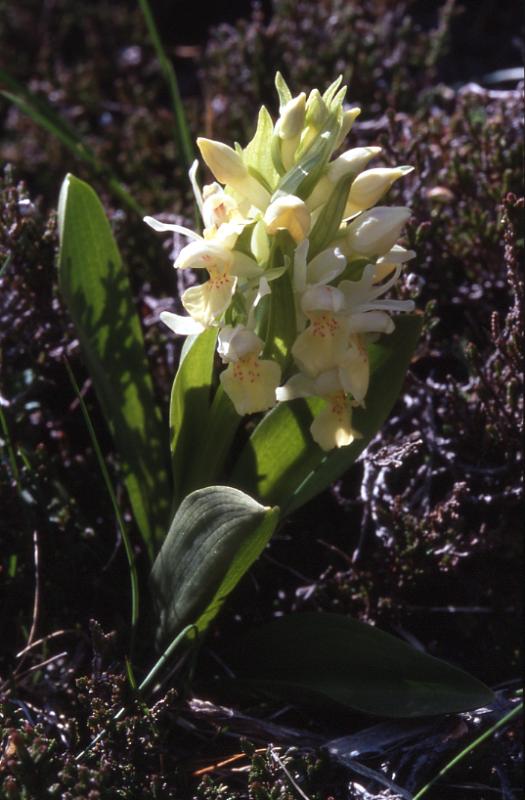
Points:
332	427
207	302
163	227
326	266
185	326
250	384
204	255
322	345
238	342
370	322
299	385
354	370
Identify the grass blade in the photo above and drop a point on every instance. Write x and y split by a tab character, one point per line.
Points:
8	444
182	131
42	113
484	736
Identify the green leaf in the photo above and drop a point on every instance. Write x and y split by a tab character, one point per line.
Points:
319	656
216	535
257	154
280	452
190	404
281	328
329	220
283	91
96	289
217	433
281	463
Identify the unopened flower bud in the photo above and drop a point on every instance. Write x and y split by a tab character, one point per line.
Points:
223	161
229	168
291	121
354	160
351	162
288	213
370	186
375	232
316	110
315	117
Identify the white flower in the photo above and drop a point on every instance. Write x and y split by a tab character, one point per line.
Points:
249	382
207	302
218	207
366	313
322	269
322	345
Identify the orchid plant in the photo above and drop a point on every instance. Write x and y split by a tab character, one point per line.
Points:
298	261
285	216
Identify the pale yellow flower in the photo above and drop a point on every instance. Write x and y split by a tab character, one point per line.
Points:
332	427
249	381
322	345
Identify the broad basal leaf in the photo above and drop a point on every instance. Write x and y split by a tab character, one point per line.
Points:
96	290
281	463
216	534
315	656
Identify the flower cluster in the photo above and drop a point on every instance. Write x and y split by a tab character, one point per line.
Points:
298	260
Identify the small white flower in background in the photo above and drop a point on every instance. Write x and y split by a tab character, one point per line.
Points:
314	298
